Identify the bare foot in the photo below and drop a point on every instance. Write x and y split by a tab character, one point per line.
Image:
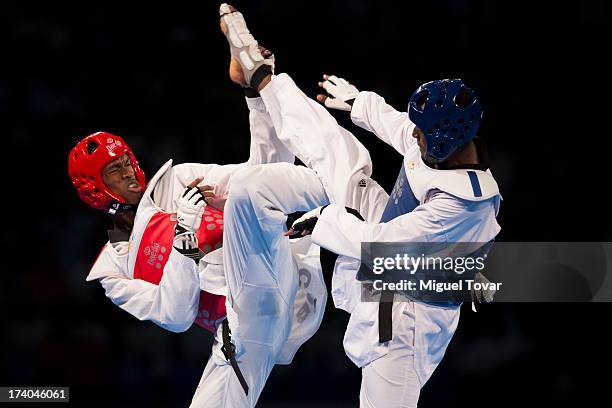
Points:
235	73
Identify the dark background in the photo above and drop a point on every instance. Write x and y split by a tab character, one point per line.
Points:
156	74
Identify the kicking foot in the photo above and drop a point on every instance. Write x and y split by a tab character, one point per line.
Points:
235	70
256	70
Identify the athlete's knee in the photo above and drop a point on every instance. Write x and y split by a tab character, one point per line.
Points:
241	185
253	184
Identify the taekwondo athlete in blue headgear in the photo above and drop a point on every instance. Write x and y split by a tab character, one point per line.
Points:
444	193
448	113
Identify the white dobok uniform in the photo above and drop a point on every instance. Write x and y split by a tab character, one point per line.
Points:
173	302
449	206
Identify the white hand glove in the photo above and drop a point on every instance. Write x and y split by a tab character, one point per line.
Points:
341	92
481	295
190	208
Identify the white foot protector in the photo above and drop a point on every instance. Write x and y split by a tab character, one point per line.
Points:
243	45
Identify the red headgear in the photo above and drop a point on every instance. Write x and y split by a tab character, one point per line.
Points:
85	164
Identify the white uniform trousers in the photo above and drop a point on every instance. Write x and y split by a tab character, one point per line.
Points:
219	386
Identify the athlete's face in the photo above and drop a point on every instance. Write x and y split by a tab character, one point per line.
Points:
421	141
120	178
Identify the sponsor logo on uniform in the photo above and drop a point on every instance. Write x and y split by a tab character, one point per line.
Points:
396	194
155	254
362	183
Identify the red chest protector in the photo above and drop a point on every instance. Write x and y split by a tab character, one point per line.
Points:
155	249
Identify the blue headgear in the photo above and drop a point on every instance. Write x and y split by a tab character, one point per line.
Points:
445	124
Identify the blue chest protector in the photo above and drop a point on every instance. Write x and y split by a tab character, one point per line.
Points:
402	199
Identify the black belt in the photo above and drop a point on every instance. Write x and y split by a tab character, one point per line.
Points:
385	320
229	351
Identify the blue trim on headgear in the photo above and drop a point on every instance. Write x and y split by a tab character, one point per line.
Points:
446	126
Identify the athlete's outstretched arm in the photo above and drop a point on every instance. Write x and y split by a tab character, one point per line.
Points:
443	215
369	111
